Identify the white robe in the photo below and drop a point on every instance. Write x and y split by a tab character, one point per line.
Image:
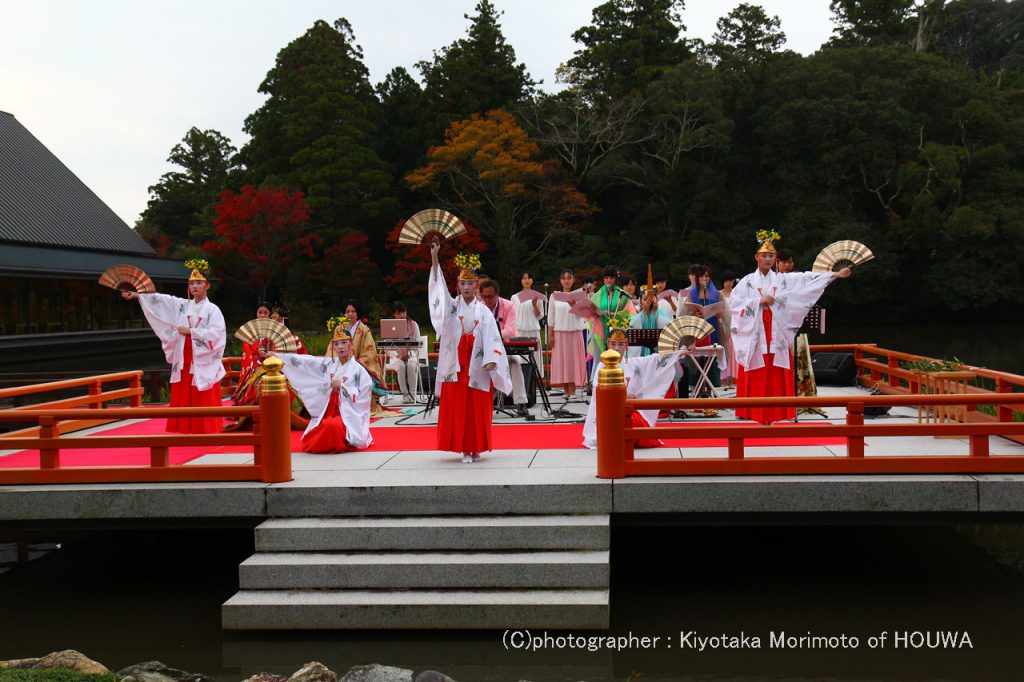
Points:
647	378
450	316
209	335
311	377
794	292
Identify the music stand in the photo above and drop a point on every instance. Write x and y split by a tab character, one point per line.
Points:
648	338
814	323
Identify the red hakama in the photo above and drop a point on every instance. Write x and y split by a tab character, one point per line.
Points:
767	381
464	417
329	434
185	394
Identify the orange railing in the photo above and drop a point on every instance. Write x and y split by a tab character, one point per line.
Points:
616	437
270	440
96	396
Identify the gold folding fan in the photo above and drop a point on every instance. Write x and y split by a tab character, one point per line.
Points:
839	255
430	221
273	332
683	331
127	278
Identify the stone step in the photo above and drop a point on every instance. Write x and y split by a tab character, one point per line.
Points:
416	609
433	533
545	569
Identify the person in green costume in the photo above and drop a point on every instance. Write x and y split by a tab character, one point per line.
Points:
609	301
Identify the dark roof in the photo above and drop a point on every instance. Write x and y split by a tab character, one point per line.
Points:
43	203
28	260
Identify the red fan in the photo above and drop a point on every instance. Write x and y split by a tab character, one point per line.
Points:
127	278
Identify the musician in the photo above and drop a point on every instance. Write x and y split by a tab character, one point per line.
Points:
667	305
504	312
767	308
684	294
568	352
728	374
530	310
336	390
651	316
648	377
193	336
404	362
471	358
609	301
705	293
629	285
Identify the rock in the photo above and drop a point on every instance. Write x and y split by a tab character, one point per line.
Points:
314	671
377	673
155	671
71	660
264	677
427	676
18	663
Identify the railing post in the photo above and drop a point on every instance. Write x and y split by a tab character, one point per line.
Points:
49	458
1004	411
610	406
95	390
858	357
135	383
275	425
894	363
855	417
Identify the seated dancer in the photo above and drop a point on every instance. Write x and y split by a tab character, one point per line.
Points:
471	358
193	336
364	348
648	377
405	363
504	312
336	391
767	309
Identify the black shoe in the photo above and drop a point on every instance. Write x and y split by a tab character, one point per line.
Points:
521	411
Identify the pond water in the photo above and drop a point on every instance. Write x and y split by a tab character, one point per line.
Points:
128	596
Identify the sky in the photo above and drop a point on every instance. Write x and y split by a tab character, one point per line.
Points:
110	86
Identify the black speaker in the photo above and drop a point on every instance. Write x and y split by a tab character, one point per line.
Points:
834	369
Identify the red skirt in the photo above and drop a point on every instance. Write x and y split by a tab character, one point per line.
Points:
329	434
464	415
767	381
641	423
185	394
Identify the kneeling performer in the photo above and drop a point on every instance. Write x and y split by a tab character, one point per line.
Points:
336	392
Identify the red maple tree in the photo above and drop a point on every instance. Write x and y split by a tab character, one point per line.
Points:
260	231
412	261
347	266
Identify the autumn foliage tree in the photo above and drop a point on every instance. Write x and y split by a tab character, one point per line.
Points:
412	262
259	232
489	171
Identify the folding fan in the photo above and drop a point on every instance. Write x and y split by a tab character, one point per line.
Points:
839	255
127	278
273	332
430	221
683	331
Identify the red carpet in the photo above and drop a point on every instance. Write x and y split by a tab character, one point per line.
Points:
414	438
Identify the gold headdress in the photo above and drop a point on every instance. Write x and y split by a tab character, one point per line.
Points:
767	239
468	264
337	325
200	268
618	324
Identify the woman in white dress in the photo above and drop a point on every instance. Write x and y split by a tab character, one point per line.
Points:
530	309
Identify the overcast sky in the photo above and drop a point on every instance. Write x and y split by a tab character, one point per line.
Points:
109	86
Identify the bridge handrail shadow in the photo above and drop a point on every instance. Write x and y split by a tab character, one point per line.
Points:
616	436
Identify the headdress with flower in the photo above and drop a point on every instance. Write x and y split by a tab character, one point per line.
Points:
618	324
767	238
339	325
199	267
468	264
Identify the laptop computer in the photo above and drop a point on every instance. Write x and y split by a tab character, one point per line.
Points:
394	329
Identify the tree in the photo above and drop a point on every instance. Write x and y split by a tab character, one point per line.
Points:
628	45
474	74
412	263
747	34
983	34
402	140
491	172
872	22
258	233
315	131
179	209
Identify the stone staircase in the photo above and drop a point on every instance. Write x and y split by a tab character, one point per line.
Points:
425	572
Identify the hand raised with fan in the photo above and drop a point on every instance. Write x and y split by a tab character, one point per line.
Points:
840	255
431	221
127	278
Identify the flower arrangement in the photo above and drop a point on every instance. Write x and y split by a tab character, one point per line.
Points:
768	235
333	322
468	261
618	322
199	264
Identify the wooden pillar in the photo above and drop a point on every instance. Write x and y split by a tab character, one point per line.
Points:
49	458
894	363
135	383
610	409
855	417
95	390
275	426
1004	411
